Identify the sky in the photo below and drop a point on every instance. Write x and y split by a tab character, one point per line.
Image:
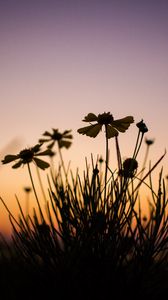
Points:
60	60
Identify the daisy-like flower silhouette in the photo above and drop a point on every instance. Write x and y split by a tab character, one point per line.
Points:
112	127
63	139
28	155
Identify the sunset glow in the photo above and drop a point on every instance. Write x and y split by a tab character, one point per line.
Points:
61	60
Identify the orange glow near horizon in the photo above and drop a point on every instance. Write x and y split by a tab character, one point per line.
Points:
13	181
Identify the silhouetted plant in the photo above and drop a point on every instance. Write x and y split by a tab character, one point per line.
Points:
27	156
94	234
112	129
63	140
149	143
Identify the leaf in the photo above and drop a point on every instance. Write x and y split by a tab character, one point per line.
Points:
90	118
91	130
41	163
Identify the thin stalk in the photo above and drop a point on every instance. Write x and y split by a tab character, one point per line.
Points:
145	160
62	163
137	147
118	153
34	190
149	172
9	212
27	205
41	186
106	164
118	158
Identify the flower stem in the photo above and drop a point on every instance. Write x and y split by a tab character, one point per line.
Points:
106	165
62	163
119	159
118	154
138	144
27	206
145	160
41	185
34	190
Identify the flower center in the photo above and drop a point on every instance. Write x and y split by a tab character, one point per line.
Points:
105	118
26	155
56	136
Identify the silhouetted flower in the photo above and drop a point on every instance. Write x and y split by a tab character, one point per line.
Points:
149	142
63	139
112	126
129	168
27	189
142	126
28	155
101	160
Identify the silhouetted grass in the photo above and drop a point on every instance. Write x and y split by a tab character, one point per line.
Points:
93	240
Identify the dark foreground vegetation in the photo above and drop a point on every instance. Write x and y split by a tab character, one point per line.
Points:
92	240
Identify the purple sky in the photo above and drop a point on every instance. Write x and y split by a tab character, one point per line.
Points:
60	60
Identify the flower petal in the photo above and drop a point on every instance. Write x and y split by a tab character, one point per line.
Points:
66	132
90	118
91	130
111	131
18	164
41	163
9	158
122	124
51	145
43	140
45	152
65	144
69	136
36	148
46	133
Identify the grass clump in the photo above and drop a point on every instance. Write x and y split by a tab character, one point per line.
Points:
93	239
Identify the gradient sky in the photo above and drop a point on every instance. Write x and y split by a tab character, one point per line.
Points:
60	60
